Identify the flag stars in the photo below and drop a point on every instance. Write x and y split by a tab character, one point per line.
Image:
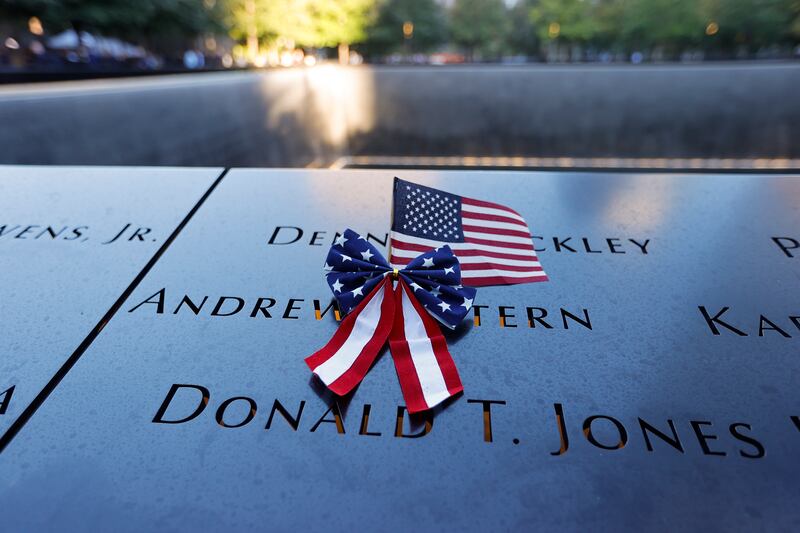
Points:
327	267
444	305
467	303
367	255
337	286
427	262
340	240
449	270
427	214
357	292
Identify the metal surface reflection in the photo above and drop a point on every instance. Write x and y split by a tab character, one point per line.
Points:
600	400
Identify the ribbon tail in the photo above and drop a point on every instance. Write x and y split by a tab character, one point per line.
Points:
426	370
345	360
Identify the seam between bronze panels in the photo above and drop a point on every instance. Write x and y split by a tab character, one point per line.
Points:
54	381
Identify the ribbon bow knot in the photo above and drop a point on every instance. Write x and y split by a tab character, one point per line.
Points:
404	306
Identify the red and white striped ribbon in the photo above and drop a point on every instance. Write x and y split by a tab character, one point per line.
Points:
345	360
425	368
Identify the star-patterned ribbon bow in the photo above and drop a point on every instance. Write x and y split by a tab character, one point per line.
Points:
403	306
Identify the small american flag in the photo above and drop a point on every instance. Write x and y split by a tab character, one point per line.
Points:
492	242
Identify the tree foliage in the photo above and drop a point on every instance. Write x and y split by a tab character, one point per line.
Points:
667	23
671	25
488	28
337	22
522	37
479	26
752	23
428	20
311	23
570	20
122	18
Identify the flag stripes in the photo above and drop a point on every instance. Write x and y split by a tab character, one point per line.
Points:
492	242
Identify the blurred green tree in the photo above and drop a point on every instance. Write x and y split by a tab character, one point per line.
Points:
96	15
138	21
339	23
608	16
668	24
428	27
257	21
308	23
570	21
483	27
747	25
522	36
479	26
794	29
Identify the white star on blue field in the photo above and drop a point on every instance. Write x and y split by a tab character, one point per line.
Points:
354	268
427	213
